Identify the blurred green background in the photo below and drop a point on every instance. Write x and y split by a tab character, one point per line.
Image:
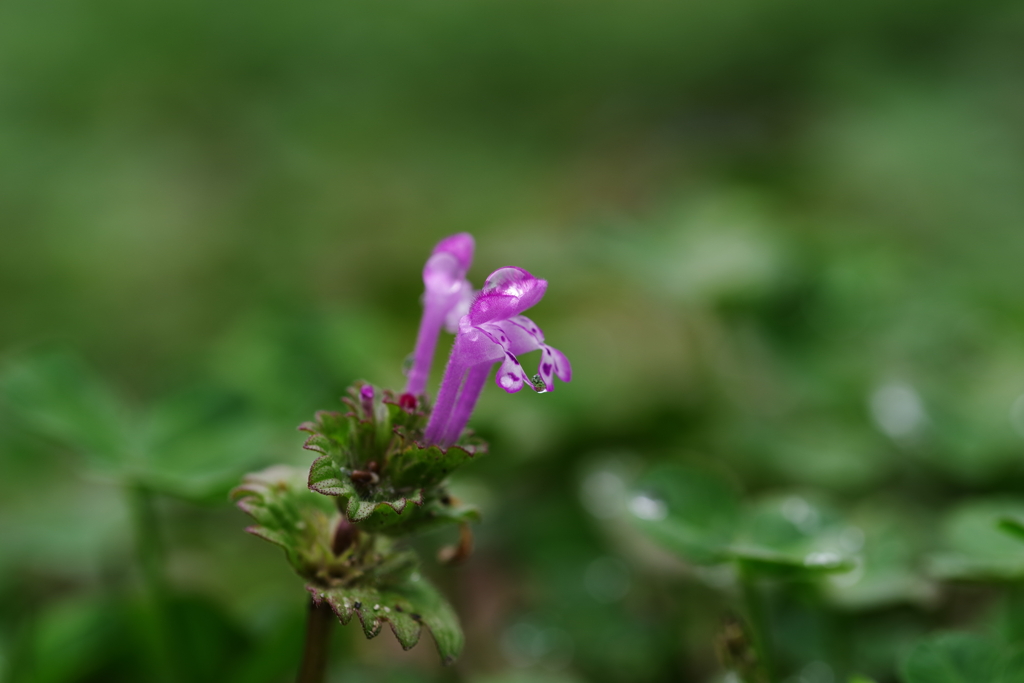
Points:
783	238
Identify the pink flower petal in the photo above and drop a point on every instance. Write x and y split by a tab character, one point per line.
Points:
507	292
460	246
511	375
563	369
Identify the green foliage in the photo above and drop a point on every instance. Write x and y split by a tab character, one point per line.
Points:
60	399
692	510
962	658
383	478
1013	525
698	513
291	516
355	572
406	604
790	536
887	571
975	545
186	446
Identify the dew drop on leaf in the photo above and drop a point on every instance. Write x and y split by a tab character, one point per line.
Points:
645	507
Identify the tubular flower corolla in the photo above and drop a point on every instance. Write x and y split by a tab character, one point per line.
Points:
494	330
446	299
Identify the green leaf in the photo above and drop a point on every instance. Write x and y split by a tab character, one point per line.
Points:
288	514
976	546
406	606
381	508
689	509
183	447
57	397
792	537
955	658
203	465
696	512
886	573
426	466
401	491
329	435
1013	525
197	447
69	639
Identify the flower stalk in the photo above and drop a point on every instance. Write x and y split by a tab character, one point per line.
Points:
757	621
315	650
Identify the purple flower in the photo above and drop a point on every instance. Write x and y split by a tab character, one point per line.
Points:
494	330
446	299
366	398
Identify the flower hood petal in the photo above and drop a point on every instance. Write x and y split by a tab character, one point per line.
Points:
507	292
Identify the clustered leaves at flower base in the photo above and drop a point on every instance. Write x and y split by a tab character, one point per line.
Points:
384	459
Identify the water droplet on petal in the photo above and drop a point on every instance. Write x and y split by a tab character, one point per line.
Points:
538	384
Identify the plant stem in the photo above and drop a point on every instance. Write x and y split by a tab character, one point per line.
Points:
753	606
148	546
314	654
150	557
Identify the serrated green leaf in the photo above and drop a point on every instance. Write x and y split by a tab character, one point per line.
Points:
426	466
419	518
399	491
375	510
368	508
288	514
328	434
406	606
411	421
326	477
